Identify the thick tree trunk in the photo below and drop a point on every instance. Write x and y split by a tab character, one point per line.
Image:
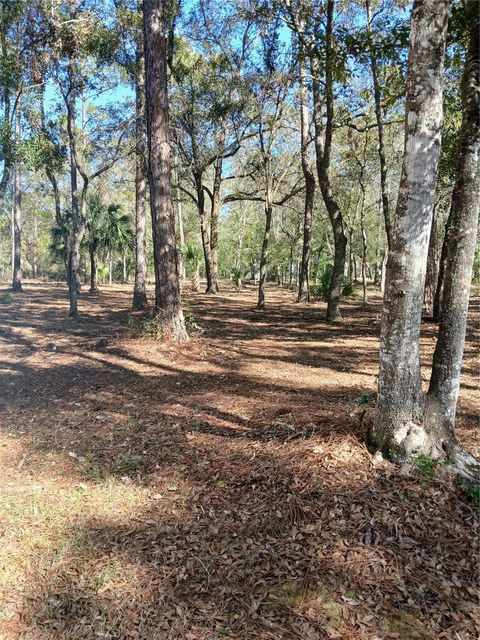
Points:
400	401
17	215
140	285
93	271
460	252
322	153
167	286
303	279
264	256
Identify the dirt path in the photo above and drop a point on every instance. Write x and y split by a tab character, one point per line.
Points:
218	489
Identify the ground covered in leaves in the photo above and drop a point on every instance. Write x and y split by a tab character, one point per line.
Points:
222	488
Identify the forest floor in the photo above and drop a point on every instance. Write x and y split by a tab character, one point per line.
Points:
220	488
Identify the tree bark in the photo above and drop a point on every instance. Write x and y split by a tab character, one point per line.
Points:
167	286
460	252
140	285
17	214
323	162
400	401
303	276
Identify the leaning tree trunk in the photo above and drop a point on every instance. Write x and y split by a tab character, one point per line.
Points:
322	153
215	214
303	280
167	286
140	286
460	252
17	215
400	401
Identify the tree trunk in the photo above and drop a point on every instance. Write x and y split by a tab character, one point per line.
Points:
167	286
110	268
17	214
124	267
264	256
322	153
460	252
400	402
212	287
93	270
216	204
438	297
431	276
303	276
140	285
377	95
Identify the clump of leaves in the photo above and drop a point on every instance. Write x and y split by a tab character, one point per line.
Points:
128	463
92	468
190	321
470	489
145	325
6	298
426	465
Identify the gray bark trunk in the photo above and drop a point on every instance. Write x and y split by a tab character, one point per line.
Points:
400	402
167	286
460	252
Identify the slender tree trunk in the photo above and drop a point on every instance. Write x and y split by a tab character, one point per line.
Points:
323	162
140	285
264	255
93	270
181	234
447	359
110	268
438	297
431	276
377	95
303	278
17	214
205	233
167	286
124	267
216	204
400	402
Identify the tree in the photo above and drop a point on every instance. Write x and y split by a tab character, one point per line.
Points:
303	281
400	430
460	254
140	286
193	255
167	286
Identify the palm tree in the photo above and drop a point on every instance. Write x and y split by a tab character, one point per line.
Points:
193	257
118	235
108	229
